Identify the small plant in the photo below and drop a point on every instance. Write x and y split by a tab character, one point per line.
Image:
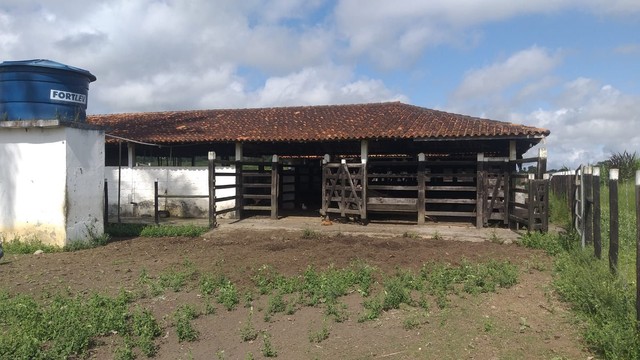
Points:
410	235
488	325
338	311
228	295
395	293
437	236
182	318
248	332
309	234
373	309
248	299
267	348
494	238
318	336
413	321
145	328
208	284
209	308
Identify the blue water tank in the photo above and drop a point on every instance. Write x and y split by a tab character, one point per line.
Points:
43	90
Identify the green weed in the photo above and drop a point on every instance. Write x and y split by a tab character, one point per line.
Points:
182	320
267	348
247	331
228	295
319	335
26	246
173	230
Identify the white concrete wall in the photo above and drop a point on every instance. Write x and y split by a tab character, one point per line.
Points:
85	183
136	192
49	183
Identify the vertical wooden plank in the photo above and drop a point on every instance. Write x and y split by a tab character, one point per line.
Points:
211	156
274	187
545	214
325	198
597	236
239	190
613	220
480	191
531	220
588	206
421	188
638	247
363	195
342	175
507	197
106	205
155	202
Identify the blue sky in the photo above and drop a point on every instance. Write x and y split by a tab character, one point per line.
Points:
568	65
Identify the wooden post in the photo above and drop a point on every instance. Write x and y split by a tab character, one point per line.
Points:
542	162
239	190
156	216
597	236
588	206
421	188
613	220
637	247
480	189
545	205
531	203
325	198
106	205
212	189
274	187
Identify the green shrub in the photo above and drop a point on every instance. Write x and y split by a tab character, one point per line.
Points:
182	319
228	295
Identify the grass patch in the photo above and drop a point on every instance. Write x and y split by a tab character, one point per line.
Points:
27	246
146	230
66	327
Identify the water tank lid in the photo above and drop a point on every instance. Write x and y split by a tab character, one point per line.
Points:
48	64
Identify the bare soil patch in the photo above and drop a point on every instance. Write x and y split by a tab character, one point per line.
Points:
522	322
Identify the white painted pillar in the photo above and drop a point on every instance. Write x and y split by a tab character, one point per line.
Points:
238	151
131	154
364	151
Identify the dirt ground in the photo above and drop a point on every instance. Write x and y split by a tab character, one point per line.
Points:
522	322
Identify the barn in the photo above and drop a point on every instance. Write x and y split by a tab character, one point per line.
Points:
361	161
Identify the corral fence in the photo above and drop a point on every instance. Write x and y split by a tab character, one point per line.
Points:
581	190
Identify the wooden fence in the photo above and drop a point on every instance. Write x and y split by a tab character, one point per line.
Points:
581	190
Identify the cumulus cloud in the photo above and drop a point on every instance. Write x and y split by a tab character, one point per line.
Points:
590	126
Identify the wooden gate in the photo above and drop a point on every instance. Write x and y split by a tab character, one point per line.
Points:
344	189
494	194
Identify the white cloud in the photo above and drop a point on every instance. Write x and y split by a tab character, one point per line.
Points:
498	77
589	127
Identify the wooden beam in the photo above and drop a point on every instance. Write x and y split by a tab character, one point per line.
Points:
274	187
421	188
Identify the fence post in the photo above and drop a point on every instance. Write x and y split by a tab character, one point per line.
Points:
588	206
274	187
613	220
421	188
105	216
211	156
530	203
239	190
480	189
155	202
597	236
637	247
542	163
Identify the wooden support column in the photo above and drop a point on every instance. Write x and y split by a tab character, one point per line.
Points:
211	156
274	187
597	236
325	199
542	162
480	190
106	205
513	155
421	188
155	202
239	181
364	158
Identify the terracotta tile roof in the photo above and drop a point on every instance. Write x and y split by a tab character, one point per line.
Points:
391	120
